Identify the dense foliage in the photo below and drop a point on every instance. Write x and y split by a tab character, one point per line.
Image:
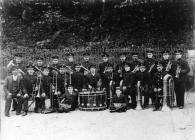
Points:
80	23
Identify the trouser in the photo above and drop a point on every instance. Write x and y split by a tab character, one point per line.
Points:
132	93
19	103
179	91
149	95
158	100
14	104
39	103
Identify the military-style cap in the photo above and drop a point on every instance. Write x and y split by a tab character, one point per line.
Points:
178	51
14	68
105	55
92	66
149	50
86	54
127	65
142	65
165	52
135	53
70	54
77	65
55	57
18	55
159	64
39	58
30	67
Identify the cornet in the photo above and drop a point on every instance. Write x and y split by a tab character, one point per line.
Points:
178	71
136	68
168	67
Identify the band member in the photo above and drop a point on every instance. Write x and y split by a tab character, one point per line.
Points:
158	86
166	62
150	64
86	64
39	62
71	62
13	90
135	61
118	102
144	78
31	86
55	62
181	68
17	61
129	86
93	79
68	101
120	70
104	64
78	79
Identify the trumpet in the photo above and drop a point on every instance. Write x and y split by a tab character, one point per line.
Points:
135	69
85	68
168	67
151	67
178	71
138	107
38	85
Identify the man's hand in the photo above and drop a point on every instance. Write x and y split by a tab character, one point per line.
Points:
43	94
124	88
25	95
18	94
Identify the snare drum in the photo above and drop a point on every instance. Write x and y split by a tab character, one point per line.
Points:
92	101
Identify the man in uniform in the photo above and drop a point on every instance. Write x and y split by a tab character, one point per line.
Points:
86	63
135	61
166	62
71	62
180	68
150	64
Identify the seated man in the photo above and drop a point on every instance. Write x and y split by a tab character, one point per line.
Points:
68	101
118	102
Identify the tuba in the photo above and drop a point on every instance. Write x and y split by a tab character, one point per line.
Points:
138	107
168	93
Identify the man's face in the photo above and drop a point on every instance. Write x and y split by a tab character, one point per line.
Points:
159	68
46	72
178	55
142	69
15	72
18	59
55	61
118	92
30	71
62	70
122	57
39	62
92	70
165	56
105	59
86	58
70	90
127	68
77	68
70	59
135	57
149	55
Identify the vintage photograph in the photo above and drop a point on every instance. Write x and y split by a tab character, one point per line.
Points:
97	69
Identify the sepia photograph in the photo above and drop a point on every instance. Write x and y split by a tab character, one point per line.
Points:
97	69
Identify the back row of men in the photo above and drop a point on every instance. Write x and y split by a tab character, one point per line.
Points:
39	77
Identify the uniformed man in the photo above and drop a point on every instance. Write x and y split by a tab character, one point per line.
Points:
94	78
180	68
103	66
71	62
158	86
86	63
31	86
17	61
167	62
150	64
120	70
144	78
135	62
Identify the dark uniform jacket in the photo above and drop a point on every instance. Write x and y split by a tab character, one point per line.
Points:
78	80
121	66
158	80
46	82
102	67
130	80
121	99
165	63
93	80
29	82
87	65
184	69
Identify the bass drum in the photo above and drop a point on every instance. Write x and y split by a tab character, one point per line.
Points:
92	101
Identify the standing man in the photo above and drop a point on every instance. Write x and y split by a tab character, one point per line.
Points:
136	62
167	62
181	68
71	62
86	63
150	64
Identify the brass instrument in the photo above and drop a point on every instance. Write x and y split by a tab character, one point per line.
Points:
168	67
178	71
85	68
138	107
38	85
168	93
151	67
136	68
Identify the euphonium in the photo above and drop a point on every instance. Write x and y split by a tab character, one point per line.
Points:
138	107
38	85
167	81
